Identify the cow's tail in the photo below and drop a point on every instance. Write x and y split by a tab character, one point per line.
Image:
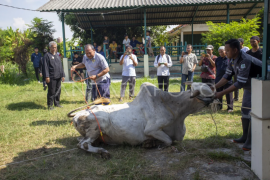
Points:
98	101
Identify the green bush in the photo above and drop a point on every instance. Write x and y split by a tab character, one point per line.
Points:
219	33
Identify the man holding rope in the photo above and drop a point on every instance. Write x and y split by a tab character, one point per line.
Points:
97	69
244	67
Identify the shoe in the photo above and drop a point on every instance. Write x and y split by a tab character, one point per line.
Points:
235	99
50	108
130	98
45	87
245	127
120	100
230	111
59	106
247	145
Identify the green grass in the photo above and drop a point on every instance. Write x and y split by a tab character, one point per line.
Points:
29	130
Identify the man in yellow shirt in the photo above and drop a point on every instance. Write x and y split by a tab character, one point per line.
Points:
112	48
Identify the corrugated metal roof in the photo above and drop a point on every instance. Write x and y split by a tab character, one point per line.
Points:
100	13
58	5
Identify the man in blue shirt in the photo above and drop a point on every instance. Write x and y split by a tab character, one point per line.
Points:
134	43
35	58
95	46
221	65
245	67
100	51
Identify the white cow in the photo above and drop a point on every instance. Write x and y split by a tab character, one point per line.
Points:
153	115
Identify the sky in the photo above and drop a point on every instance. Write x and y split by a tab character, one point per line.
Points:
17	18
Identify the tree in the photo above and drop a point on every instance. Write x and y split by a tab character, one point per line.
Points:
42	32
158	34
219	33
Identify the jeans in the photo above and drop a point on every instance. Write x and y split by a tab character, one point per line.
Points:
188	76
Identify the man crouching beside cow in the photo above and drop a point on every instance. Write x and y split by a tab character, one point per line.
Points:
153	115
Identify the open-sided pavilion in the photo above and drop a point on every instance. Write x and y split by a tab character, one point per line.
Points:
128	13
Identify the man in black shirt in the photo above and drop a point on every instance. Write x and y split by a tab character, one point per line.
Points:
54	73
256	51
245	67
77	60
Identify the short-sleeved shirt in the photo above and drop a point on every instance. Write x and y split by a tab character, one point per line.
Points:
245	67
96	65
101	52
126	42
221	66
211	74
79	60
189	61
113	46
134	43
257	54
245	49
128	67
106	45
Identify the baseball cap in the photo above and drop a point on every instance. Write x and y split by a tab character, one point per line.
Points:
255	38
210	47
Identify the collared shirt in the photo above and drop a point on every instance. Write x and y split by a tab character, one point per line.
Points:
113	46
52	66
245	67
134	43
257	54
221	66
126	42
211	74
189	61
35	58
245	49
96	65
128	67
163	70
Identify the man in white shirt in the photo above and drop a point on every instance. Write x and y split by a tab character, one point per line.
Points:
126	41
189	61
163	62
129	61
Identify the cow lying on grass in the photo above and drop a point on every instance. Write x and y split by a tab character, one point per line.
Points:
153	115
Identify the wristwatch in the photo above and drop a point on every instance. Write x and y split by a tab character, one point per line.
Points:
97	76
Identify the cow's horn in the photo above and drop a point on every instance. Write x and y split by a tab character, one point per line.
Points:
195	93
188	83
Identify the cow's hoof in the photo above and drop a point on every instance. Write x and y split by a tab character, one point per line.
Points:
105	155
151	143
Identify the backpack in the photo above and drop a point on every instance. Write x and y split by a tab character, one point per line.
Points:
167	57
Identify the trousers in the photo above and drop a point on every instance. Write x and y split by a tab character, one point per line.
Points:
54	91
163	81
132	81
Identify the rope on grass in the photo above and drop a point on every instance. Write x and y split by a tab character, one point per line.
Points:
18	162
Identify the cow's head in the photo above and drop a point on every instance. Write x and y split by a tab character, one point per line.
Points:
202	91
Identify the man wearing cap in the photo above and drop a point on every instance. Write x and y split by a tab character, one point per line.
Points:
245	67
256	51
221	65
98	71
207	62
243	48
129	61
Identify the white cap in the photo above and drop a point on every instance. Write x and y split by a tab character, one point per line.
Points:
210	47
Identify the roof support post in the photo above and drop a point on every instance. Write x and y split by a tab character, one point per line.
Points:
145	49
193	23
64	36
228	13
249	11
266	39
91	35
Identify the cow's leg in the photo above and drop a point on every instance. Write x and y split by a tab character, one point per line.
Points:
155	132
86	144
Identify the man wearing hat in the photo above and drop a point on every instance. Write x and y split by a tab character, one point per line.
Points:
256	51
243	48
207	63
